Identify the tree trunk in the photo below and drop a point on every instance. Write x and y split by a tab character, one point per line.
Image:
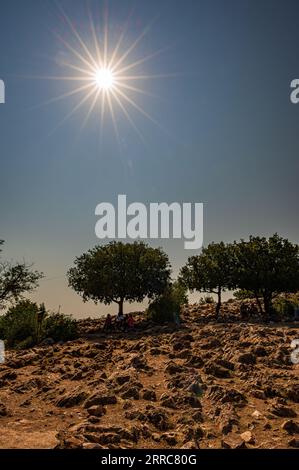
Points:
218	306
260	307
121	307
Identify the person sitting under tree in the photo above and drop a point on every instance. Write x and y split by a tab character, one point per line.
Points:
130	321
120	320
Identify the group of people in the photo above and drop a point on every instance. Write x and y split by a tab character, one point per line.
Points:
121	322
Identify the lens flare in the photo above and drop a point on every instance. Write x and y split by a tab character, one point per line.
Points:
104	79
106	76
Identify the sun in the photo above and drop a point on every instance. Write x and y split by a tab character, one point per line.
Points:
104	79
107	77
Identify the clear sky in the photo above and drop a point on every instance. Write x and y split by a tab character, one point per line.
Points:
227	133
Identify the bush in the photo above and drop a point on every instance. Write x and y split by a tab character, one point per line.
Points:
243	294
20	323
26	343
26	324
167	307
60	327
285	306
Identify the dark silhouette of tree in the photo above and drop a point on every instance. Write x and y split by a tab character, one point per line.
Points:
267	268
15	280
210	271
119	272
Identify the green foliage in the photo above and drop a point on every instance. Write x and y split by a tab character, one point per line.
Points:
26	324
260	268
167	307
27	343
60	327
15	280
179	292
19	324
285	306
119	272
210	271
243	294
266	267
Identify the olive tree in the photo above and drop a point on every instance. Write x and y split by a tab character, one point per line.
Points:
266	268
120	272
16	279
210	271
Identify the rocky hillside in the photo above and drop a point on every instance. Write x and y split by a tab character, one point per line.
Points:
203	385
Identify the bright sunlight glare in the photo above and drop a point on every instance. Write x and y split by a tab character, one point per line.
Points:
107	75
104	79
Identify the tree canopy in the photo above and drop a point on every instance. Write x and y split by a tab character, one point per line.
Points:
119	272
210	271
266	267
16	279
260	268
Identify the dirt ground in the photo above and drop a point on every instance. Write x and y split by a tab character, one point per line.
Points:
201	385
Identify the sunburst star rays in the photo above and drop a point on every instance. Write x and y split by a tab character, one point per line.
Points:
107	77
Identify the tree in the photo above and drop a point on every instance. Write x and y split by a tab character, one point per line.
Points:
210	271
15	280
267	268
119	272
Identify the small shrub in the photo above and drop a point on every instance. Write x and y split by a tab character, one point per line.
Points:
167	307
26	324
60	327
209	299
243	294
26	343
285	307
20	323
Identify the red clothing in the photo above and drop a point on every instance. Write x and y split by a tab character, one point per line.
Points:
130	322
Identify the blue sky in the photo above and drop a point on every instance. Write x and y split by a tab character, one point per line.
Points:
227	135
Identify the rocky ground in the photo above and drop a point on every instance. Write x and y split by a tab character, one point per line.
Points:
202	385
